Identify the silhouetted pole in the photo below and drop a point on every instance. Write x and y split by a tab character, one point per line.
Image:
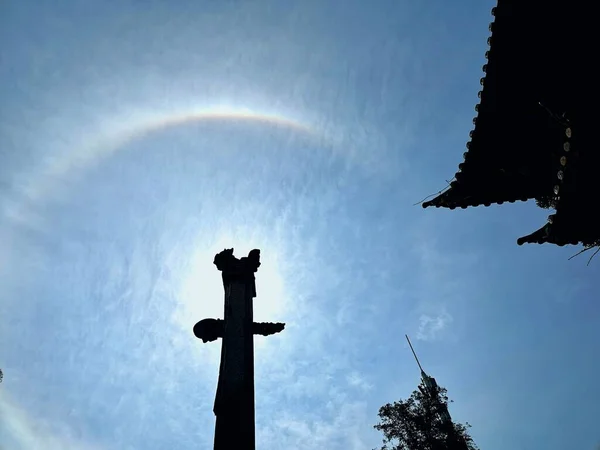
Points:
413	352
234	402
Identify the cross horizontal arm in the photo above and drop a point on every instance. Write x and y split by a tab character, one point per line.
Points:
267	328
212	329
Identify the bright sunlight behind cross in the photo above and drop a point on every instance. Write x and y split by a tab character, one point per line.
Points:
202	294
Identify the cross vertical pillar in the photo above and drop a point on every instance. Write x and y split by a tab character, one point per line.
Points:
234	402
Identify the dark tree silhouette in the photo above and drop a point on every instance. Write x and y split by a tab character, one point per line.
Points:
546	202
422	422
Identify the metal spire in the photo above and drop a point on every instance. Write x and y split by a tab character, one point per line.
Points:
414	354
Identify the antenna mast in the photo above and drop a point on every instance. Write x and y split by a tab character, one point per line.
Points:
414	354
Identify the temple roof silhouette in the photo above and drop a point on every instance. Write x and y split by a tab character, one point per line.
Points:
534	123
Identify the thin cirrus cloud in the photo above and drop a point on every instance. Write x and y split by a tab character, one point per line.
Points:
113	220
19	430
162	293
430	326
108	226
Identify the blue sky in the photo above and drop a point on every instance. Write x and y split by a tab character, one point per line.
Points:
137	139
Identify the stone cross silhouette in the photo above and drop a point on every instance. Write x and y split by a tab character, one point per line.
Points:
234	402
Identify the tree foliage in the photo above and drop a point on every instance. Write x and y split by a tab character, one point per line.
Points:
546	202
422	422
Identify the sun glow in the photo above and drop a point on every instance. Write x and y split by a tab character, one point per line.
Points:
201	291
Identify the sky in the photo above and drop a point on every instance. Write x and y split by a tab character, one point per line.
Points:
138	139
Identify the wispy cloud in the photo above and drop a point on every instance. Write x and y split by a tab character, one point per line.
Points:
355	379
130	309
440	283
340	427
21	431
134	225
430	326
